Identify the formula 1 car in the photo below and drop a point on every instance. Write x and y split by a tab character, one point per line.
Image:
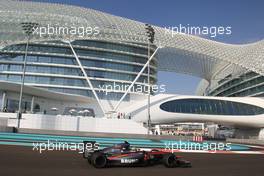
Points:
123	155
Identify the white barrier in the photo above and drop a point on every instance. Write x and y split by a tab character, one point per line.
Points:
73	123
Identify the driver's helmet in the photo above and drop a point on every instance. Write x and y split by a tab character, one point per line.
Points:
126	145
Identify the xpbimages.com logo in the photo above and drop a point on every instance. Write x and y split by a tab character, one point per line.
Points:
205	146
79	31
137	88
58	146
210	31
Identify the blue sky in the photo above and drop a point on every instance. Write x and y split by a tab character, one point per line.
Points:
244	16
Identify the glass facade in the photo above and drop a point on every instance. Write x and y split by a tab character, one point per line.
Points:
51	65
248	84
12	105
210	107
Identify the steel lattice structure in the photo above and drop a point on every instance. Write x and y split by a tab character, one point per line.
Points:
180	53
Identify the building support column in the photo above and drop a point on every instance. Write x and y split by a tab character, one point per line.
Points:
261	134
3	101
32	104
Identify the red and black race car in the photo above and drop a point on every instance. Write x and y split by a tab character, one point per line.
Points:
123	155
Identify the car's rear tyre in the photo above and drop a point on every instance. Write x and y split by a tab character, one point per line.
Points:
99	160
170	160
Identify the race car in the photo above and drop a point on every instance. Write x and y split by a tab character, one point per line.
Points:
122	155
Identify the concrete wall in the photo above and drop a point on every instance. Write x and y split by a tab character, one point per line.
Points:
73	123
6	129
247	133
107	135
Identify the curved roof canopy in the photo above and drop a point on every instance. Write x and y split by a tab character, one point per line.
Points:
180	53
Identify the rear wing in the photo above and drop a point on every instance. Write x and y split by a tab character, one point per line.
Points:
89	148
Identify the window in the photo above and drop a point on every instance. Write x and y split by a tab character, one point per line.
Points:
210	107
12	105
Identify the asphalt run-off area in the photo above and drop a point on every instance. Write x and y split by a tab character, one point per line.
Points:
19	158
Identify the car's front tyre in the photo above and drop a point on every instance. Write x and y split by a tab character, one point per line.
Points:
170	160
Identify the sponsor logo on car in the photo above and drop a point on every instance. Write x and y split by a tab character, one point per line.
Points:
128	161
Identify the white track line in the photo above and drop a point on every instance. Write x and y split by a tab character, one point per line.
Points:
205	151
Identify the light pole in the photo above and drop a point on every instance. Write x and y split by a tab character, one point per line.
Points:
28	28
151	34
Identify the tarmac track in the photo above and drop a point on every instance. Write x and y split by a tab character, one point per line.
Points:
20	161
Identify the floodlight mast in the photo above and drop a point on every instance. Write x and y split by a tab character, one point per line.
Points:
28	28
151	34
